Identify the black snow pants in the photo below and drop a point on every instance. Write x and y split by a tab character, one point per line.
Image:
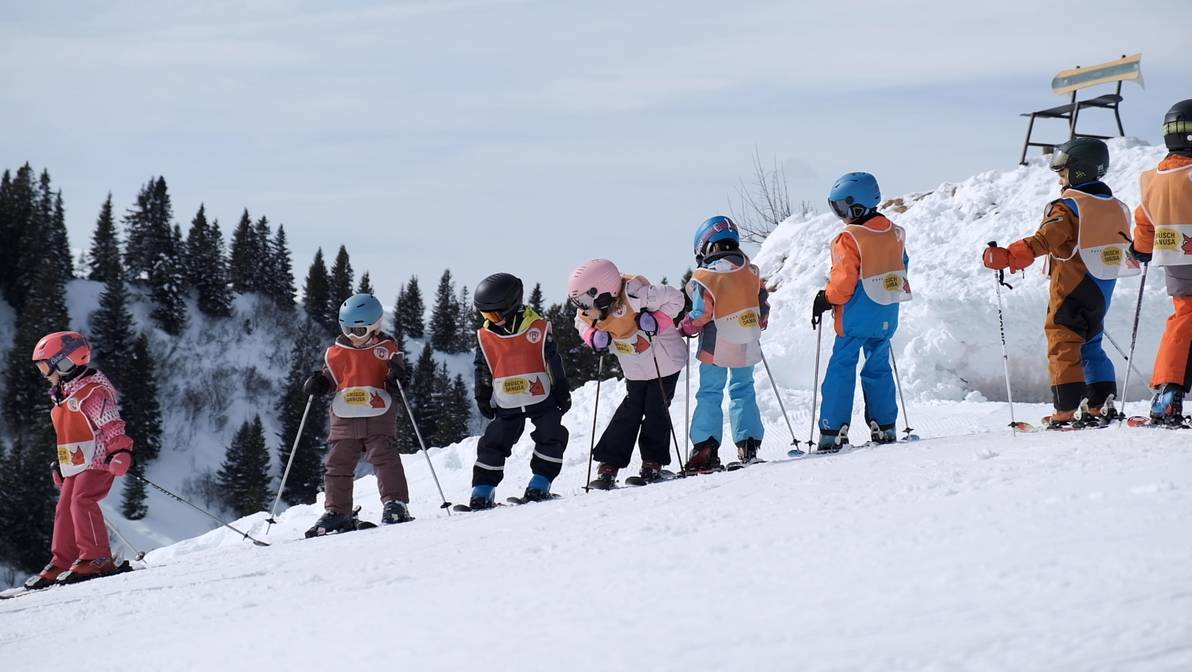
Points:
643	418
550	440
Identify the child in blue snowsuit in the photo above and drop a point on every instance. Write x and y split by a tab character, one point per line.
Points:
867	283
728	311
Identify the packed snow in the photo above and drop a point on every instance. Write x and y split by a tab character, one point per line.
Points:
969	549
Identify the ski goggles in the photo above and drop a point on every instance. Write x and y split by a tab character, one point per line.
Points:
494	316
847	208
63	366
587	301
358	332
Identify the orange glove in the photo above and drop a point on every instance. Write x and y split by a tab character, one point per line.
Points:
996	258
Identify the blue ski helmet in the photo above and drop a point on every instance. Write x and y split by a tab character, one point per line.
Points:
714	230
854	195
360	315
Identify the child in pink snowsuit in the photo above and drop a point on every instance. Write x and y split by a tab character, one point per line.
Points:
92	451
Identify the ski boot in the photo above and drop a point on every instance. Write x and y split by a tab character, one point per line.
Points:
332	522
538	489
705	458
83	570
747	451
832	441
47	577
879	434
1167	407
1060	420
651	472
606	477
483	497
1095	417
395	512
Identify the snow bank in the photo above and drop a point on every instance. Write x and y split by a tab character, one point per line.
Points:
947	344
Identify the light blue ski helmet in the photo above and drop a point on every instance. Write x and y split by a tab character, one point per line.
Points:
360	315
854	195
714	230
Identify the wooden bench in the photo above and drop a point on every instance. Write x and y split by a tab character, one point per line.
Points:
1126	68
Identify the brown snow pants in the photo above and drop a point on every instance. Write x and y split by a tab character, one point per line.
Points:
372	437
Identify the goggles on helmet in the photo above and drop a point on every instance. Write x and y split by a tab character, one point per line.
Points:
357	331
847	208
494	316
62	366
590	299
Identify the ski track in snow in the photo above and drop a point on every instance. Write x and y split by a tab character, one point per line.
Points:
981	552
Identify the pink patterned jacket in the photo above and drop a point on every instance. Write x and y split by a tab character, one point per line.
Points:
102	410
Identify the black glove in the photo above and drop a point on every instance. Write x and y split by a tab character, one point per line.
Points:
819	307
316	384
647	323
397	370
486	408
1142	257
563	401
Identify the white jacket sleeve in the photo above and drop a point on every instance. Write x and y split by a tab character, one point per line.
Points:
654	298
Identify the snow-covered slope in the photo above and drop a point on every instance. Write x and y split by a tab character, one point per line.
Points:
947	344
967	550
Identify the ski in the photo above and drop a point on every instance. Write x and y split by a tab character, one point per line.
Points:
357	525
703	471
518	501
20	591
638	481
734	466
464	508
1146	422
600	484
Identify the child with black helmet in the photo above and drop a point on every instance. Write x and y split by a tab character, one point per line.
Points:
362	367
1085	233
518	376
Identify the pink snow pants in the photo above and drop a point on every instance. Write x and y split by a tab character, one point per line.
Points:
79	531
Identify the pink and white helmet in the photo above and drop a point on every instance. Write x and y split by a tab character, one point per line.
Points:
594	283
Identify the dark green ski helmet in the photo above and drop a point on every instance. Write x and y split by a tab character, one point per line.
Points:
1177	127
1086	159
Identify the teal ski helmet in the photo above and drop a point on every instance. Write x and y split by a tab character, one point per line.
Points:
360	316
714	230
854	195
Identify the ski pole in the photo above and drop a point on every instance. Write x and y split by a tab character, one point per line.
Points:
201	510
595	410
1122	352
777	395
425	453
272	520
687	401
1134	335
666	401
819	337
898	381
115	530
999	278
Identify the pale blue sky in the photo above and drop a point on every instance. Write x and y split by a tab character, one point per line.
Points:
530	136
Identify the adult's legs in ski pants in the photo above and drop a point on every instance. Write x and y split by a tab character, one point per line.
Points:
840	382
550	440
708	420
1173	361
643	418
79	531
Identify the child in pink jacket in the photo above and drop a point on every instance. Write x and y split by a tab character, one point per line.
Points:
634	319
92	451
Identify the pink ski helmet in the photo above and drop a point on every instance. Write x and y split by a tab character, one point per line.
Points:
596	283
63	351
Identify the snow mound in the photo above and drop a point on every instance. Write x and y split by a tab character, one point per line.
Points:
947	346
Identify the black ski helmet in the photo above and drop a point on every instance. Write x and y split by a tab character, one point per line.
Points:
499	293
1177	127
1086	159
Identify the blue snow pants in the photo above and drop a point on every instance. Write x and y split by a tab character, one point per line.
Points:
708	419
877	383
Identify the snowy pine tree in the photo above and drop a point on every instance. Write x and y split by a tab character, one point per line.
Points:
111	330
306	474
365	286
444	318
535	300
411	310
26	246
340	283
281	271
243	477
208	267
26	505
132	499
26	402
104	257
465	333
139	402
244	255
51	219
316	293
422	392
580	361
